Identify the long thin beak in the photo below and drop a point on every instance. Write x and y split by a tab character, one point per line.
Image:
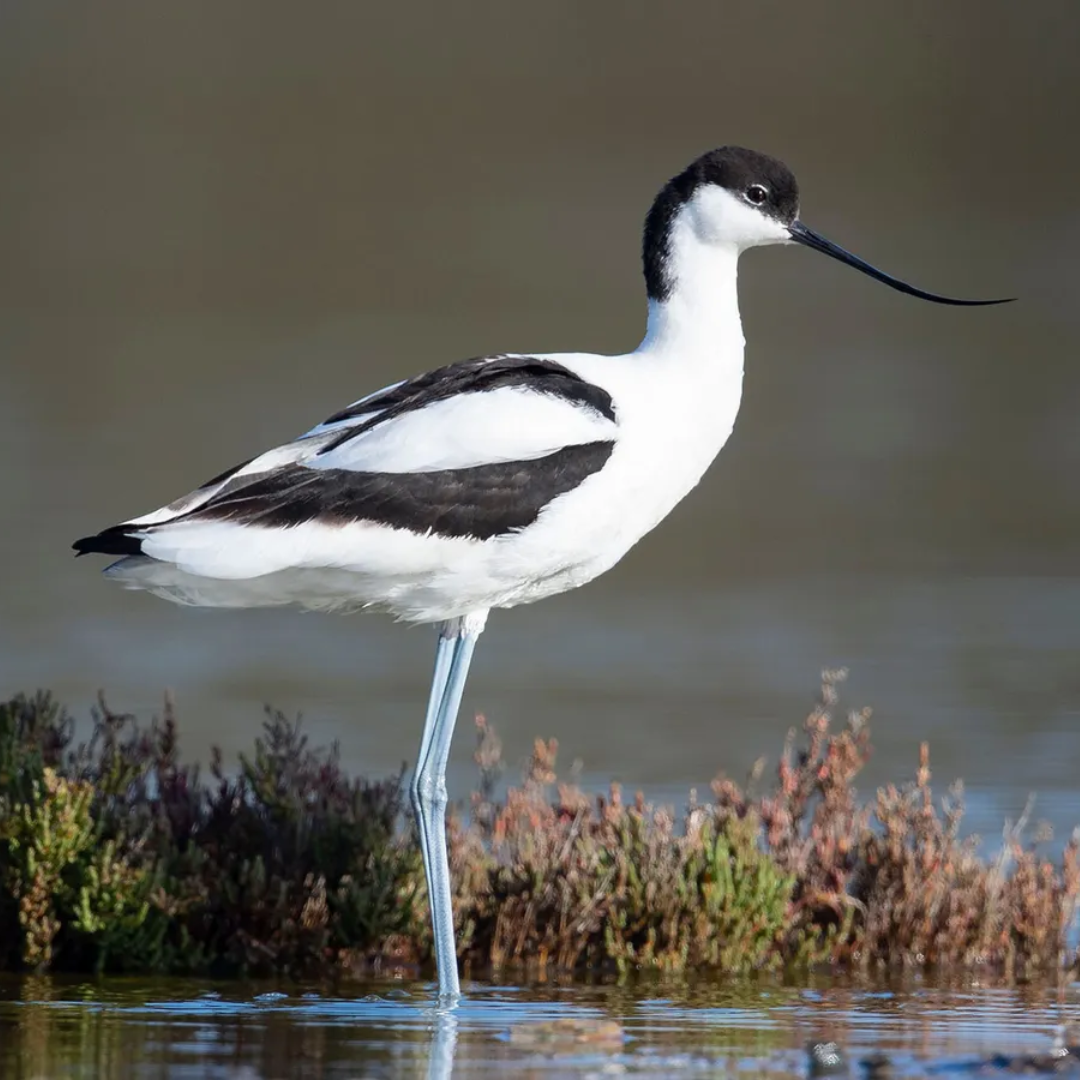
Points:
802	235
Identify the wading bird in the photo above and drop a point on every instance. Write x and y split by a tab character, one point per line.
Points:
496	481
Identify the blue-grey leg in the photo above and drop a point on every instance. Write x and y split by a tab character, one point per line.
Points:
443	656
457	639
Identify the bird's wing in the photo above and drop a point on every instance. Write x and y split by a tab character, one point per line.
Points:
473	449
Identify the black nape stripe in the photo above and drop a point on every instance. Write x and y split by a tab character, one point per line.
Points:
656	242
472	377
481	502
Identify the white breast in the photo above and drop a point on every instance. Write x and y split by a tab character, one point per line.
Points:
667	439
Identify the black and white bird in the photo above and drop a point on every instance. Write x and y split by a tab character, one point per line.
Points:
496	481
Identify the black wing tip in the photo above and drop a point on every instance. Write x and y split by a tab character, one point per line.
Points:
114	541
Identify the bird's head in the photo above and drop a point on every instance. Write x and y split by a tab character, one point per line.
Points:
733	199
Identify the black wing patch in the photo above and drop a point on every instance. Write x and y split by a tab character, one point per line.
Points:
482	501
472	377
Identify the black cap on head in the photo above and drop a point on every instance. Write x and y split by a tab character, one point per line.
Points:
767	184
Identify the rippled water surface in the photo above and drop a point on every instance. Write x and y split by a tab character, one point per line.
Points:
119	1029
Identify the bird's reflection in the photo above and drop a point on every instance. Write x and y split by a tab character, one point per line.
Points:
444	1034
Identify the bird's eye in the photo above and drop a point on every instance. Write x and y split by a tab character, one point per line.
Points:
756	194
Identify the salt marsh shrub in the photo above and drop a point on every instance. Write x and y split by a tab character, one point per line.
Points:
116	855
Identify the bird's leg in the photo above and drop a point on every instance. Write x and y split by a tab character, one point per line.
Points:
444	654
457	639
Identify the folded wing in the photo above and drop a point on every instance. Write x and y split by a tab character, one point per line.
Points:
476	449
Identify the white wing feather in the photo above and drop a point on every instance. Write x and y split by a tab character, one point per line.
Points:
511	423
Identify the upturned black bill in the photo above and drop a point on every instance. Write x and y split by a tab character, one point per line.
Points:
802	235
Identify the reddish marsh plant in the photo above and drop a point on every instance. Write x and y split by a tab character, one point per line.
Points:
116	855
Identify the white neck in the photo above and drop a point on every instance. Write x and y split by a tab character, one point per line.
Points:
700	317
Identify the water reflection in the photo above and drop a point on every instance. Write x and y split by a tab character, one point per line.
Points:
176	1029
443	1043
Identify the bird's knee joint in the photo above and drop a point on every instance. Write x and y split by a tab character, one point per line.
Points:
427	792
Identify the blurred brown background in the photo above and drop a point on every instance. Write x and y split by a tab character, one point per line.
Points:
221	222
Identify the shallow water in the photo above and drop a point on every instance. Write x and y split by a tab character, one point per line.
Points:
176	1029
